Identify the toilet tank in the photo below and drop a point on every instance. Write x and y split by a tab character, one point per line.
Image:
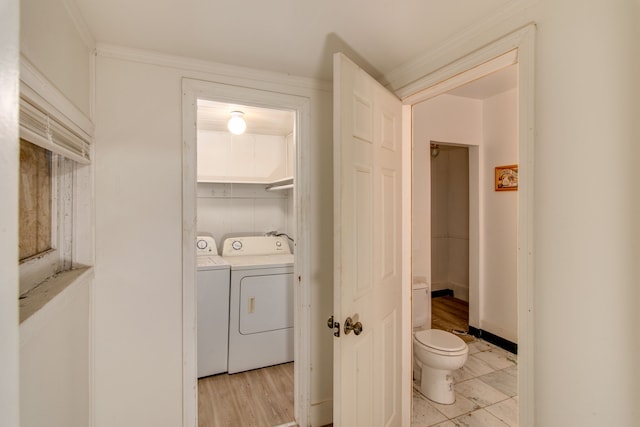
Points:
420	305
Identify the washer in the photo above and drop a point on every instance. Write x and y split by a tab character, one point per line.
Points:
213	274
261	304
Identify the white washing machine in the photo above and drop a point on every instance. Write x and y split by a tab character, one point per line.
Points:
213	274
261	303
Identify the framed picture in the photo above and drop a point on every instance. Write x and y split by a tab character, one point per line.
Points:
507	178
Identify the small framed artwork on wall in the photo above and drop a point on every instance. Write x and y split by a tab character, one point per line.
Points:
507	178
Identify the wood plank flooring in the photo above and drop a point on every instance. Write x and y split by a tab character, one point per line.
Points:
449	313
258	398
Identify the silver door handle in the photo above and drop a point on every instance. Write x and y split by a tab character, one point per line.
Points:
350	326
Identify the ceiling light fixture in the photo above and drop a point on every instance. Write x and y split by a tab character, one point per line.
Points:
236	123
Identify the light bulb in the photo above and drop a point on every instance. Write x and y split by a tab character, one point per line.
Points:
236	123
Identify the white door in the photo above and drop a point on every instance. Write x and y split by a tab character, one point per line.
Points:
368	249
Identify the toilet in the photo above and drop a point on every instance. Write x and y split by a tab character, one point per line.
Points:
436	353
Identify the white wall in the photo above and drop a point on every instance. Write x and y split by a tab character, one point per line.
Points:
52	40
54	361
225	157
585	230
138	298
499	230
9	155
226	210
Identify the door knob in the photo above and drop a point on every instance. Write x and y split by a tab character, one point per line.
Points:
350	326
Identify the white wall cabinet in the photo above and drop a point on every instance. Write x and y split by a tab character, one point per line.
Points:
247	158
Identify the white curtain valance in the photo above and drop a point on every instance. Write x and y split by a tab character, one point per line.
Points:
46	130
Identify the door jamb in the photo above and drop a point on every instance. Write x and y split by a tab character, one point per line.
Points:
517	47
193	89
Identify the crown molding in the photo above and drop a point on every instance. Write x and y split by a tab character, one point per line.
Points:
81	25
464	41
209	67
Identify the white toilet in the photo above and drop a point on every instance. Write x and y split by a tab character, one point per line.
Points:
436	353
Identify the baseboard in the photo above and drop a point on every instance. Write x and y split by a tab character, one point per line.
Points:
442	293
504	344
321	413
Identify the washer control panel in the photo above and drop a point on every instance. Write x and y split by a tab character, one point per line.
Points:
206	245
255	246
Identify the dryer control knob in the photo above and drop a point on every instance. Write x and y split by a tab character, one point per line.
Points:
237	245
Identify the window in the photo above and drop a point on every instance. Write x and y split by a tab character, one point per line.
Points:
53	151
46	214
35	201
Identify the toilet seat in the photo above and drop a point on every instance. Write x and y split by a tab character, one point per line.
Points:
441	342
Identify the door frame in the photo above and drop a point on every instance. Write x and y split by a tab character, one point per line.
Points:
192	90
517	47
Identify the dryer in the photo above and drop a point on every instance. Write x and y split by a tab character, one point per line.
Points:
261	302
213	274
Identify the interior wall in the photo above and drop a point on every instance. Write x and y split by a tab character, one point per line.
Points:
247	157
499	233
138	362
226	210
50	40
9	166
585	230
54	361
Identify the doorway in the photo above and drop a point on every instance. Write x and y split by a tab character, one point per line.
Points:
245	187
293	182
456	115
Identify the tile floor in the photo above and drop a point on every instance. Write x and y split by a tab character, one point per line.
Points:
486	392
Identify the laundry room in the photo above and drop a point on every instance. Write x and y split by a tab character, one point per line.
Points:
245	181
246	237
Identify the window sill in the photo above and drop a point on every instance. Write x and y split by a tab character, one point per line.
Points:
36	298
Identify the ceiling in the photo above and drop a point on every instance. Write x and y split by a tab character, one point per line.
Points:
490	85
295	37
260	121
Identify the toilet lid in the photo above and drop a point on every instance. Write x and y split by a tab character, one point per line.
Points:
440	340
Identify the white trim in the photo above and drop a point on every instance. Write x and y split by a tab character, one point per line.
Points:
501	51
439	55
523	40
81	25
407	279
444	84
192	90
240	74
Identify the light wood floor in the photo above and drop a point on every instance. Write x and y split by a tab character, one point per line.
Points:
449	314
258	398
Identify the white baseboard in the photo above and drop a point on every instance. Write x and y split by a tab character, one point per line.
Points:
321	413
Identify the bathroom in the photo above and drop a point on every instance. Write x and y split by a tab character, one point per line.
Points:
245	187
464	230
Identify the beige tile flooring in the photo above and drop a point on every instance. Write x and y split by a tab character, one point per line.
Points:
486	392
